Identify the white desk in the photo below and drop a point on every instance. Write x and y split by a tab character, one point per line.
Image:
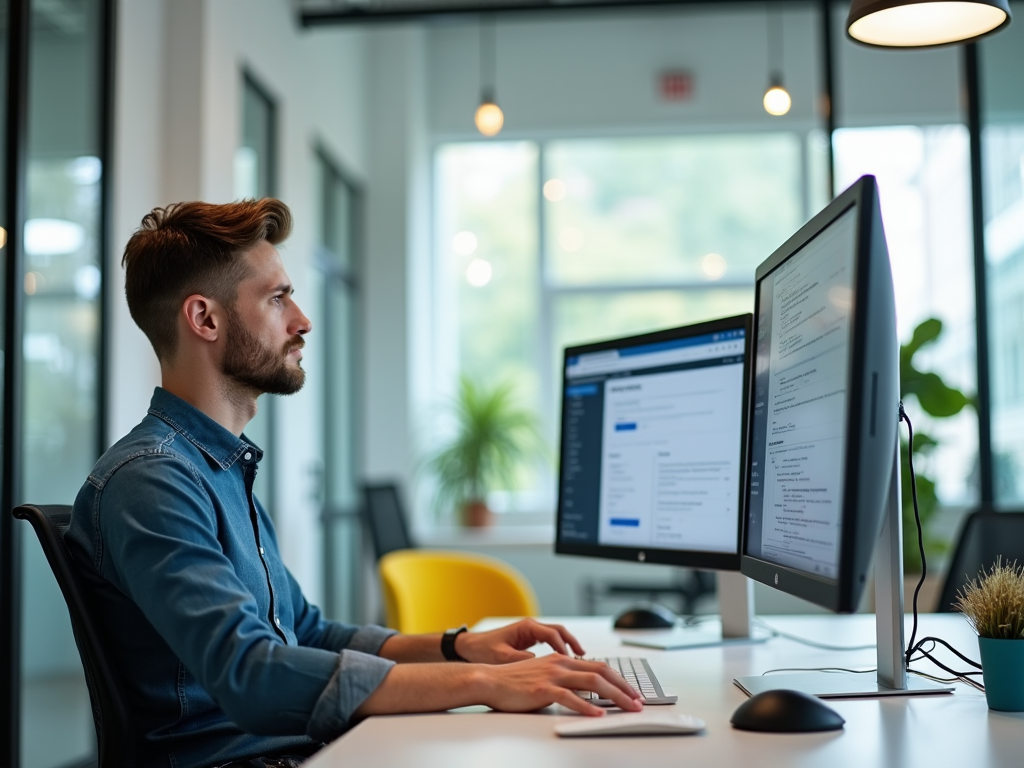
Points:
956	730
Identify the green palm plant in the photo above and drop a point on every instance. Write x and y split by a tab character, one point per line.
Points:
940	401
494	436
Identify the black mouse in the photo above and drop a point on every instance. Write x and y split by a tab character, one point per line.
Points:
648	616
785	711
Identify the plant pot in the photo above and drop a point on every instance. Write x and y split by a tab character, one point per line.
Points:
1002	667
476	514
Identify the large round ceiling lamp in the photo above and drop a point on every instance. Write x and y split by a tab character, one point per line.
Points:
924	23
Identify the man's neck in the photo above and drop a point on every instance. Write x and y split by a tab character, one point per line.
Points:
227	403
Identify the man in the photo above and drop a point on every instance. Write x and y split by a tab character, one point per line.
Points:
223	658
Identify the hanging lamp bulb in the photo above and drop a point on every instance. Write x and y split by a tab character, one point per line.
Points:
924	23
489	118
776	99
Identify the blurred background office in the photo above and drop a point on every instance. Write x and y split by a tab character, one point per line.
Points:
637	181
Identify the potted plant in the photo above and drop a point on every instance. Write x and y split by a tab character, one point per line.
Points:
940	401
493	437
994	607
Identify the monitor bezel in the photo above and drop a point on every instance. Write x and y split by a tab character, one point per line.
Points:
836	594
700	559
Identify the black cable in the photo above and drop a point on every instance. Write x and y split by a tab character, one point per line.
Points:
917	518
915	646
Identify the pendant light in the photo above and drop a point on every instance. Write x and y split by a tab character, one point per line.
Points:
776	99
924	23
489	118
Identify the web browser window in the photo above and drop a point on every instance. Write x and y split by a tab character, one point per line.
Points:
652	443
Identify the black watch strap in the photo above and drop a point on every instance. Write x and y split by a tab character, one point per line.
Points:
448	643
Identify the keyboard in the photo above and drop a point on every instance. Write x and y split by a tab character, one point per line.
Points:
639	675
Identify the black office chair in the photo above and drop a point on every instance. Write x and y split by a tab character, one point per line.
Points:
109	708
984	537
384	517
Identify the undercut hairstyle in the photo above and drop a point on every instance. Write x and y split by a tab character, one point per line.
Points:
194	248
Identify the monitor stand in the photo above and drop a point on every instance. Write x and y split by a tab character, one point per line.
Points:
736	606
891	678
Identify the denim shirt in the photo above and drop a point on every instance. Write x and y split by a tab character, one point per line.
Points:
221	654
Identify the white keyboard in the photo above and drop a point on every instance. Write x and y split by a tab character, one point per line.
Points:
637	672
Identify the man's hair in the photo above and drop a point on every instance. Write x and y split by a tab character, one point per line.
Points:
193	248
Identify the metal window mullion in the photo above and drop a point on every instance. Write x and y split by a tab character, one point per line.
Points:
828	104
545	328
972	81
16	151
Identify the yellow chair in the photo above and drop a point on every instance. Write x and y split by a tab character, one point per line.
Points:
431	591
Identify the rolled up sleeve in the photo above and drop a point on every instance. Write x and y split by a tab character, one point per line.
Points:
355	677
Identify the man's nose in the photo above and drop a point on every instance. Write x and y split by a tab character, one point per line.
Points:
301	325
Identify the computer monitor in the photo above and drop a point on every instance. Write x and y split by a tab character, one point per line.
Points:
823	485
652	455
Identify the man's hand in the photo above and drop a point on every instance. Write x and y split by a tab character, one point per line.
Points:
508	644
522	686
529	685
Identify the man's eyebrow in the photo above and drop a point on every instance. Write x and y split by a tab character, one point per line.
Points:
283	288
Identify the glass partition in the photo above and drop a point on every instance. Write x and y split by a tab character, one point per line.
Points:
62	286
1000	64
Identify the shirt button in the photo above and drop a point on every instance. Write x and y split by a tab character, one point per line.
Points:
261	550
277	621
247	456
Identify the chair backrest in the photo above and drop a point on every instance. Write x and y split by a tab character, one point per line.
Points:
384	516
431	591
984	537
109	708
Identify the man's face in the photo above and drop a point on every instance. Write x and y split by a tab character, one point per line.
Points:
263	349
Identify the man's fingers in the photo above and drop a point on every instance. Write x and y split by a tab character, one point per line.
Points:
603	687
568	637
551	636
570	700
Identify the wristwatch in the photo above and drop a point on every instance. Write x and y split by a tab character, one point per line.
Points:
448	643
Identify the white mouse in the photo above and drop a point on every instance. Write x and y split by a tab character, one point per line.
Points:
652	722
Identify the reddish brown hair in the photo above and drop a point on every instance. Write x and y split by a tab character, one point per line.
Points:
193	248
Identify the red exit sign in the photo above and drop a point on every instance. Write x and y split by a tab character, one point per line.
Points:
675	85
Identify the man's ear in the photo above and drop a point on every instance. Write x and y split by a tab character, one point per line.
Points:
204	317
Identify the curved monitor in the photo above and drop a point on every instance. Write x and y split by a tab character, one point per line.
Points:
824	413
652	446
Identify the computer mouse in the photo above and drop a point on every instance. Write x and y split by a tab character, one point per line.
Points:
647	723
785	711
649	616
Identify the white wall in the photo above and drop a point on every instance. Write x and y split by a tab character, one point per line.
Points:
178	111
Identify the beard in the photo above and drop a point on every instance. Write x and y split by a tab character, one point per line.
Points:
253	364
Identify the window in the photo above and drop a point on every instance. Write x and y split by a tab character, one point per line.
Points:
1001	58
540	246
255	177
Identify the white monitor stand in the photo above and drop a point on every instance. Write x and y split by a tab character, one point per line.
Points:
736	625
892	678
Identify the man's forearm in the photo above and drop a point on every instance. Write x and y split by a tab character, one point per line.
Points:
426	688
412	648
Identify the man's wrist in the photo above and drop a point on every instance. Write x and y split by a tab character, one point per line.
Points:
448	644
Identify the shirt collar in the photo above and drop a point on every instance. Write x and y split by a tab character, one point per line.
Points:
199	429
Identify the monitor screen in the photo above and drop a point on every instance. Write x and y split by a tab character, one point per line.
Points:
798	428
653	439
